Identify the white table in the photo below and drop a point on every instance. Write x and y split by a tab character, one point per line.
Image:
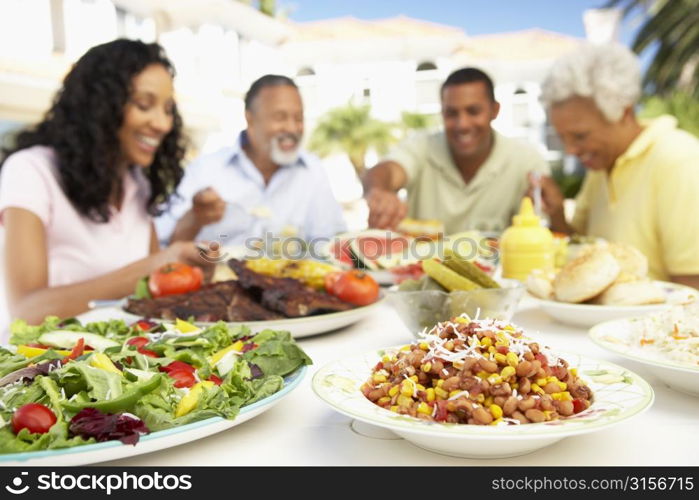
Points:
303	430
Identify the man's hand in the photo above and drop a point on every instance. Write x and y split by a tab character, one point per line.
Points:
207	207
385	209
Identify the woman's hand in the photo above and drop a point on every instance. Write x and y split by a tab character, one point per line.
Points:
551	201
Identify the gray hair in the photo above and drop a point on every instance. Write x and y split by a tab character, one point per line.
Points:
609	74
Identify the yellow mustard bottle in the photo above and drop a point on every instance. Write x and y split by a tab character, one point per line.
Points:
526	245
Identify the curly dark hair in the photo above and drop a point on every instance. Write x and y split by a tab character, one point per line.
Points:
81	126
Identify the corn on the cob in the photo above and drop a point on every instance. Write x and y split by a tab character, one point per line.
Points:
309	272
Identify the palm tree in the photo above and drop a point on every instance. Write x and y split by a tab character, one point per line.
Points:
351	130
671	26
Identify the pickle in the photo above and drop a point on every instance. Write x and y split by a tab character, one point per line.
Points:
449	279
469	270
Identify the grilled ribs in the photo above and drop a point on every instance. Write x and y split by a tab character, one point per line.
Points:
226	301
285	295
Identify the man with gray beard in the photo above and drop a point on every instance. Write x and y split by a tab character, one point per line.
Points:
262	186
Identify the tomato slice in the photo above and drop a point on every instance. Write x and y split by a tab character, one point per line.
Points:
148	352
177	365
216	380
138	341
183	378
34	417
77	350
145	325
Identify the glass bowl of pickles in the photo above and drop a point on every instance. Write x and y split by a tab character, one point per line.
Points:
451	287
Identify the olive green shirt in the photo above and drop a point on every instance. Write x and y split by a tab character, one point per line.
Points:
436	189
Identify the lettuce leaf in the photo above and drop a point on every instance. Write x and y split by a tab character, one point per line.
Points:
277	353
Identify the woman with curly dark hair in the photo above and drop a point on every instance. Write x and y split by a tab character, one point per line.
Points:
78	192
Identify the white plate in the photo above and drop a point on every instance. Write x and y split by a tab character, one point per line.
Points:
299	327
616	336
114	450
587	315
618	395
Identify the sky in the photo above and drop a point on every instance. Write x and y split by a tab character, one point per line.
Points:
474	16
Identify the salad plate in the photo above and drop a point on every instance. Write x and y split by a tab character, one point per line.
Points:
115	450
587	315
74	393
667	344
619	394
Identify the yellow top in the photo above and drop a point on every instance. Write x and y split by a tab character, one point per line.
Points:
649	200
526	245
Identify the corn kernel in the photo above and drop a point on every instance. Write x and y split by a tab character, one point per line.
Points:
488	402
541	381
495	379
378	378
404	401
512	359
496	421
441	393
393	390
464	320
405	347
449	345
394	408
537	389
563	386
486	342
480	398
547	414
440	382
491	349
562	396
424	346
420	387
384	400
482	374
413	378
407	389
514	385
495	411
500	358
458	364
454	393
429	395
509	328
424	408
386	358
574	372
552	379
507	372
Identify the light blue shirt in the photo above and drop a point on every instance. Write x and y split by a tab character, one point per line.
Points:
297	199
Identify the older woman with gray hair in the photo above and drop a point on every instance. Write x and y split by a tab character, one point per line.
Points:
642	184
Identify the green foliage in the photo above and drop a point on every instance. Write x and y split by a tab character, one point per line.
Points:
351	130
417	121
681	105
671	28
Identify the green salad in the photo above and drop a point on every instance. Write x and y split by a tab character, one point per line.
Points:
65	384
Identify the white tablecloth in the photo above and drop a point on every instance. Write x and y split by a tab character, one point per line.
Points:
302	430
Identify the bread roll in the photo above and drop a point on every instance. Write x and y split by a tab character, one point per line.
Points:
540	284
633	293
631	260
586	276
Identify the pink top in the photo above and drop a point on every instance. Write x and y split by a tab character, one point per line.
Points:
78	248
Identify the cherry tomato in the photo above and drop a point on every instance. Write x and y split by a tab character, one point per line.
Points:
355	287
34	417
216	380
175	278
148	352
183	378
